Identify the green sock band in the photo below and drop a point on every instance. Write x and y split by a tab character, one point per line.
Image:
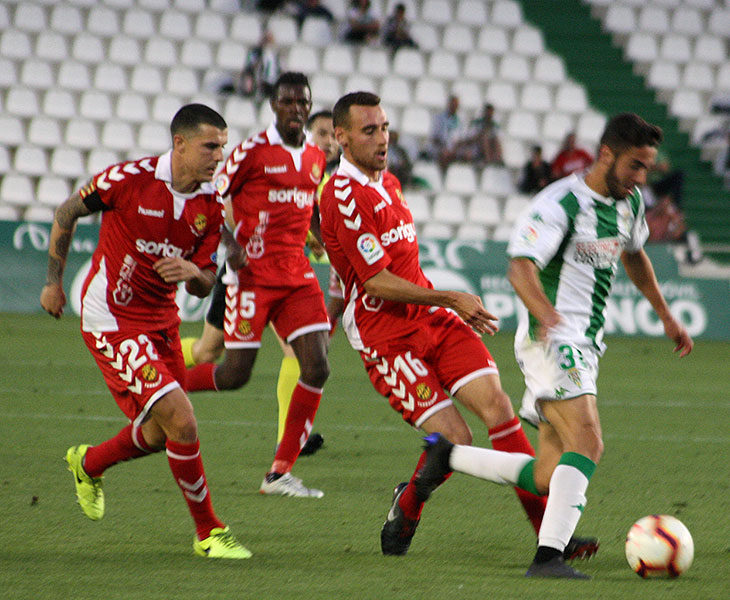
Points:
526	479
584	464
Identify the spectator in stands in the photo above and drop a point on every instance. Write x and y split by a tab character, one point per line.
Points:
536	173
665	181
399	163
261	69
363	24
481	145
311	8
570	158
722	162
396	31
269	5
444	130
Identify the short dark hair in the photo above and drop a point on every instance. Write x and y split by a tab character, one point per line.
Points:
191	116
320	114
341	111
629	130
290	78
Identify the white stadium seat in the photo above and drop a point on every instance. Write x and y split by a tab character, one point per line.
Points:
515	68
497	181
710	49
230	55
211	26
44	131
719	21
117	135
429	172
522	125
175	25
536	97
549	69
138	24
16	190
396	91
458	38
373	61
470	93
698	76
51	46
12	131
571	98
502	94
338	60
416	121
246	28
132	107
38	214
22	102
153	138
197	54
87	48
95	105
514	206
124	50
471	231
449	208
59	103
436	12
419	205
357	83
182	81
641	47
146	79
316	31
81	133
284	29
484	210
528	41
676	48
239	112
52	190
161	52
493	40
663	75
67	162
30	160
437	231
304	59
66	19
620	18
37	73
15	44
426	35
326	88
472	12
29	17
444	65
686	104
506	13
102	21
461	179
99	159
653	19
479	66
110	78
686	19
430	92
408	62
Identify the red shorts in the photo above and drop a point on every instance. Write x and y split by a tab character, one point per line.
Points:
294	311
414	372
139	368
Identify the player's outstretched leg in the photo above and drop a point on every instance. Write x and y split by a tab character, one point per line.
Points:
89	492
438	449
398	530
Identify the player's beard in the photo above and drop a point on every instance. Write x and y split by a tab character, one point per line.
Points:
615	189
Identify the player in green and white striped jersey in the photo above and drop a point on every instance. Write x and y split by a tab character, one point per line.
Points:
564	254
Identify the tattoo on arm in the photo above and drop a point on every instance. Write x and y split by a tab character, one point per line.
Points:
62	231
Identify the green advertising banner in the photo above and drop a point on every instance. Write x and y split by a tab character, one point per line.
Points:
474	266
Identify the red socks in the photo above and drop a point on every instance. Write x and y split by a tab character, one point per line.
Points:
126	445
201	378
409	502
299	420
510	437
187	468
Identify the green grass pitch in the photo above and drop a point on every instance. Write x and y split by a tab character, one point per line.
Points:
665	425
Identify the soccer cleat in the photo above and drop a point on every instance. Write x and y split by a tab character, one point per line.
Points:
314	442
89	492
397	531
555	568
287	485
581	547
220	544
436	467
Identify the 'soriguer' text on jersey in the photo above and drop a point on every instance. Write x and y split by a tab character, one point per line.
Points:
575	236
273	188
143	220
367	227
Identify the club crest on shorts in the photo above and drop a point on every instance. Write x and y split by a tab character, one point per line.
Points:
244	327
150	375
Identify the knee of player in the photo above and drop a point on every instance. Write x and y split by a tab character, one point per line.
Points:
316	373
183	430
592	443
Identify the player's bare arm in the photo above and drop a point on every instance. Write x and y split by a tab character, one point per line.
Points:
236	256
388	286
641	272
522	274
198	282
53	298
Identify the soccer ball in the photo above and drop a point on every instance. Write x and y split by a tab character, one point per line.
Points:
659	546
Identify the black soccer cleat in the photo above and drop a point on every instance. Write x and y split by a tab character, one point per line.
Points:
314	442
397	531
581	547
555	568
436	467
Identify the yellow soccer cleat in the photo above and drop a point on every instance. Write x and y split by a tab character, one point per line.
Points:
220	544
89	492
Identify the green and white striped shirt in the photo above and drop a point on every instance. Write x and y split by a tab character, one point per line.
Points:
575	236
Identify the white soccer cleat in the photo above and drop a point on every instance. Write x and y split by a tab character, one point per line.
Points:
288	485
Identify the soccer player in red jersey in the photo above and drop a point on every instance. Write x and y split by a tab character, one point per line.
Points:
161	225
415	341
272	181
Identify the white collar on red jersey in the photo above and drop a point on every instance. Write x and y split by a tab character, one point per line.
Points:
350	170
163	172
274	137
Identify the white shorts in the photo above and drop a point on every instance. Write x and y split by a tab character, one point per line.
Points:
554	371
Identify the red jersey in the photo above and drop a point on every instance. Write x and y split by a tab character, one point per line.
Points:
143	220
273	188
571	161
367	227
